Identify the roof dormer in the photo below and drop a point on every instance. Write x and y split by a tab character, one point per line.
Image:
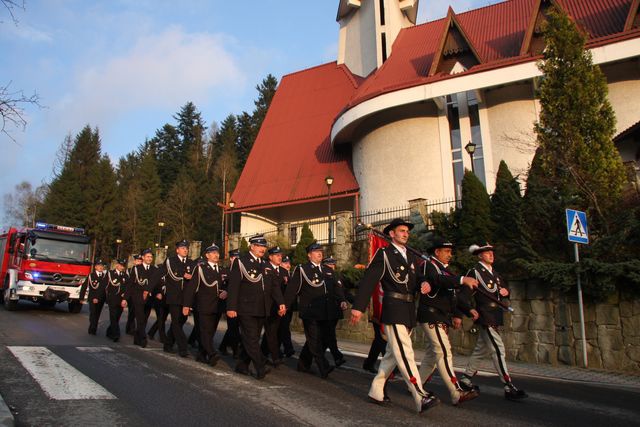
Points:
455	53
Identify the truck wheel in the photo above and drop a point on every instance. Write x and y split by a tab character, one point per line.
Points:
9	304
75	307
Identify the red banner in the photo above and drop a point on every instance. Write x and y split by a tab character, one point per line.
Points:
376	243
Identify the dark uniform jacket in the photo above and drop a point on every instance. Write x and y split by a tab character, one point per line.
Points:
317	292
280	279
203	290
116	287
95	285
400	283
172	272
252	287
439	305
140	280
491	314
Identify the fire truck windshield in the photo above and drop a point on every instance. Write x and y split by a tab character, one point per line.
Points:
44	249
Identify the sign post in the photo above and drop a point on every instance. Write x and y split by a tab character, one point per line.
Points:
578	233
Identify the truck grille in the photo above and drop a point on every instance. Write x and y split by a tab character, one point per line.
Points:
59	279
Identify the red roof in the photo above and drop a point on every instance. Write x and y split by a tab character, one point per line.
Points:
496	32
292	154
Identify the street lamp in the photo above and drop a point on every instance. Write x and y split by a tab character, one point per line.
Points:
119	242
471	148
329	181
160	224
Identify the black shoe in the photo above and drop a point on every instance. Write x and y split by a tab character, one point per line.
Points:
466	384
223	351
167	348
303	368
115	339
276	363
152	337
387	399
92	332
289	353
213	360
143	343
202	358
465	396
512	393
261	373
183	354
130	332
369	367
376	401
241	369
340	362
428	402
325	374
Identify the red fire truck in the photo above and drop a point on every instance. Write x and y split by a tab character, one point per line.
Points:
45	264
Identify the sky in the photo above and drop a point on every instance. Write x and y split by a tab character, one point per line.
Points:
127	66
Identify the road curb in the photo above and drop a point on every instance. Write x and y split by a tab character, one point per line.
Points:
6	417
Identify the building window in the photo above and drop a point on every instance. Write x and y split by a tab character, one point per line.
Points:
453	116
293	235
381	12
384	46
476	137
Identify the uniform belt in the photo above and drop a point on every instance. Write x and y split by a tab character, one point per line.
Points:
397	295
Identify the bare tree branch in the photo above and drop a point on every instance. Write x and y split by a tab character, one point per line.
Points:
10	5
12	109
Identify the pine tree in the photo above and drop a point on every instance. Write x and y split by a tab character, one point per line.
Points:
510	237
246	136
306	238
104	207
170	156
148	201
577	122
190	127
474	216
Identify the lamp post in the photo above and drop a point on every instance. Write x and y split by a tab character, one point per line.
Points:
229	228
160	224
329	181
119	242
471	148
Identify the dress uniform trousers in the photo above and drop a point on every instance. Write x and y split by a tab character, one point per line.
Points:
162	312
315	331
231	336
270	342
115	311
489	343
378	346
284	334
207	329
399	354
438	355
331	341
250	328
194	336
176	333
139	308
94	314
131	325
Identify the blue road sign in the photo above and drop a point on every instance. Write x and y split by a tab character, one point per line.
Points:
577	230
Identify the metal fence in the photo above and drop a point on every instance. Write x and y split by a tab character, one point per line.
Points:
378	219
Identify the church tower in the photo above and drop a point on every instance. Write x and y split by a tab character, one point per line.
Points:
368	29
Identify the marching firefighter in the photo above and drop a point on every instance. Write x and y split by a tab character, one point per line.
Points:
332	342
176	271
96	284
488	317
251	295
438	310
131	326
116	286
137	291
394	267
204	291
231	338
270	342
284	329
317	291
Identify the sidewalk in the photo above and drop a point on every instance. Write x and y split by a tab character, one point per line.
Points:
566	373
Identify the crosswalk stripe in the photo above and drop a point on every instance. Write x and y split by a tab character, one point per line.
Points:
58	379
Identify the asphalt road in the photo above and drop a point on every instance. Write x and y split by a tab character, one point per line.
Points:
149	387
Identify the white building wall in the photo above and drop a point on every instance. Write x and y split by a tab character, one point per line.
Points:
399	162
511	114
357	40
624	92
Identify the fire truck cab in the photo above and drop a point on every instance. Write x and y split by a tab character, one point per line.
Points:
45	264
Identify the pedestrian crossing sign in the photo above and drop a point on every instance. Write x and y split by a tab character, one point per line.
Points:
577	230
